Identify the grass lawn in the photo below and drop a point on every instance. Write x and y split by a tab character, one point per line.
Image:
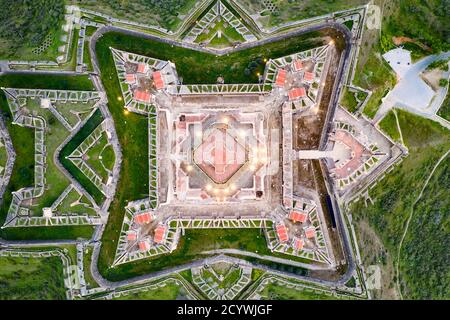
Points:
349	101
229	34
444	111
87	256
81	135
389	126
37	81
376	75
31	278
75	203
170	291
393	197
275	291
95	159
74	112
3	158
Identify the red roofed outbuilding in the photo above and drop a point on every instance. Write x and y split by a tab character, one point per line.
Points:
144	245
160	234
296	93
281	78
142	96
298	216
298	65
143	218
142	68
158	80
310	232
308	76
298	244
130	78
282	233
131	235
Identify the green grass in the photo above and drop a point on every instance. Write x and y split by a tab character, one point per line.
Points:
275	291
349	101
87	56
3	157
229	34
444	110
425	248
389	126
375	75
108	157
31	278
36	81
87	256
68	110
26	24
170	291
94	157
81	135
76	203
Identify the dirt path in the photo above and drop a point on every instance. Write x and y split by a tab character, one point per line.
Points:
409	220
401	40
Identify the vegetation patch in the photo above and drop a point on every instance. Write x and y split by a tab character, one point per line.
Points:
393	197
30	29
389	126
31	279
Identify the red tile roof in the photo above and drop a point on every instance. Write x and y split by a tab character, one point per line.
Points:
144	245
160	234
298	244
298	65
142	68
142	218
130	78
282	233
158	80
309	76
297	93
142	96
131	235
310	232
281	78
298	216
